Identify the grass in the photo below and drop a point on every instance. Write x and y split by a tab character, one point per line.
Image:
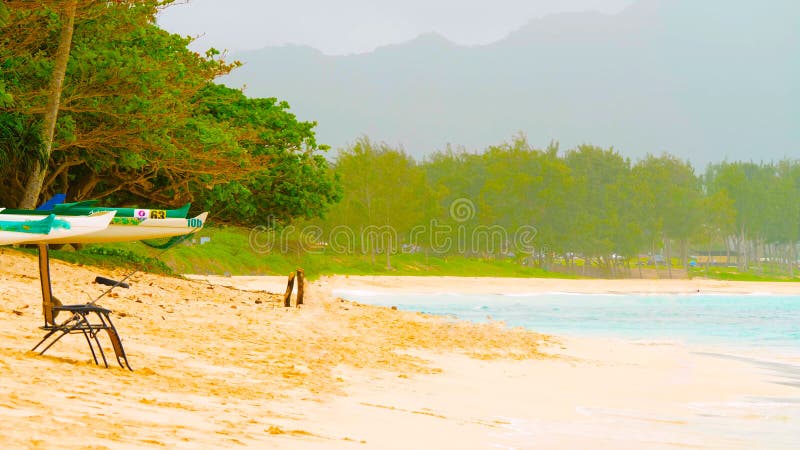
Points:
228	252
733	274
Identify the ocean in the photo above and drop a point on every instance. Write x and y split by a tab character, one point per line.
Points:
751	322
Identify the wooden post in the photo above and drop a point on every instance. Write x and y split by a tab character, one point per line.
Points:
301	277
44	279
287	297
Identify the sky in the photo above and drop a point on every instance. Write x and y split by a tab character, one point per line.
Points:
340	27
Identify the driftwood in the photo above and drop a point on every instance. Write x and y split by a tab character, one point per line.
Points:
287	297
301	277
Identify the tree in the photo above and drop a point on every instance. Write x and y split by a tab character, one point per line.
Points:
601	222
782	226
385	196
746	184
33	186
526	187
140	120
675	193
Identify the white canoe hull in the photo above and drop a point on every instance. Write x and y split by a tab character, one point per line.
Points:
136	230
78	226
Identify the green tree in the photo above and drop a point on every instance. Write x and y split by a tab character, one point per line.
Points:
526	187
292	179
717	221
675	199
747	185
386	196
140	120
783	220
601	222
33	185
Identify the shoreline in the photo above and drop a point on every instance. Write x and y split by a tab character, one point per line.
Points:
513	286
523	286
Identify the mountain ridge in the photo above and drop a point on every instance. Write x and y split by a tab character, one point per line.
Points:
652	78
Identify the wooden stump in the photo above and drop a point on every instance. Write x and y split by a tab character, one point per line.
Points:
287	297
301	276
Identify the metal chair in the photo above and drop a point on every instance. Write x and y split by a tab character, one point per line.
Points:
88	319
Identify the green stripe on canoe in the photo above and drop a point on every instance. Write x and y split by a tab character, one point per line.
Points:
86	208
34	226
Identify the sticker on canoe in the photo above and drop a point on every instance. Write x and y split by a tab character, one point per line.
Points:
143	214
126	221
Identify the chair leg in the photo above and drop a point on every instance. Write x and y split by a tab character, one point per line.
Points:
46	336
116	342
86	335
63	328
93	333
82	324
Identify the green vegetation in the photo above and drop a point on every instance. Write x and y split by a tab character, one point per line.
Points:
228	252
770	273
109	258
586	207
140	120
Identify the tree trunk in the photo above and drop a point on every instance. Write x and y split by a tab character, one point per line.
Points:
685	255
372	248
727	251
742	258
389	254
760	254
33	186
655	261
669	256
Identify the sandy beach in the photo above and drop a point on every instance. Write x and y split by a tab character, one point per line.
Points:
220	364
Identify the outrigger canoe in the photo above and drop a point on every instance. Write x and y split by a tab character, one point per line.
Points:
123	229
88	207
61	227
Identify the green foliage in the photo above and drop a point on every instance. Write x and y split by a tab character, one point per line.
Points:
128	259
733	274
599	200
586	206
296	180
141	121
110	257
386	196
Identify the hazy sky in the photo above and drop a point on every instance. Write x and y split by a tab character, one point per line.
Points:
357	26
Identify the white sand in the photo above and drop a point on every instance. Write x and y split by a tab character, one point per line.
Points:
216	369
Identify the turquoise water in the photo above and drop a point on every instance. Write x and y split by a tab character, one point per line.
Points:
755	321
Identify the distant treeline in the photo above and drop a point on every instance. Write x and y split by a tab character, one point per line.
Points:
513	199
96	101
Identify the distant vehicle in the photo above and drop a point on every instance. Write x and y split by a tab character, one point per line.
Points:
657	259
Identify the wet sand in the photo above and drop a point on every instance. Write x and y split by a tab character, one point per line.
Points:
486	285
218	367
